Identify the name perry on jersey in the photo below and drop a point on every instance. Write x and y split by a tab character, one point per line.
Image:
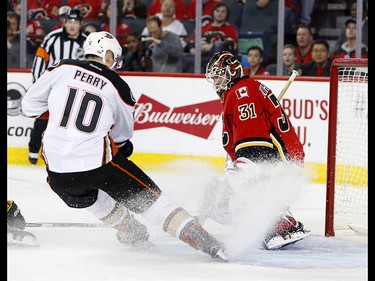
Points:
89	79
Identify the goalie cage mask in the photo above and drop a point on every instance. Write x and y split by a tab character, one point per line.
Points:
222	71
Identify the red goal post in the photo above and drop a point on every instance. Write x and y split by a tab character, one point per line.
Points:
347	154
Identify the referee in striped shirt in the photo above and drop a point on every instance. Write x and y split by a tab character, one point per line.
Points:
63	43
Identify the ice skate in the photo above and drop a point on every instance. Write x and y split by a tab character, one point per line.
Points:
194	235
288	231
20	238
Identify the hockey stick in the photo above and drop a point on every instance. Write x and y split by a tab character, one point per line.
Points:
290	80
66	224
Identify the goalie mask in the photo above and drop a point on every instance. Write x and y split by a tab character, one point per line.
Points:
98	43
222	71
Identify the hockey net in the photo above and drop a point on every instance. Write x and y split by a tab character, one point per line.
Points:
347	161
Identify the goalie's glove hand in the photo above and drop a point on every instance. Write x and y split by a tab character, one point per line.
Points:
127	149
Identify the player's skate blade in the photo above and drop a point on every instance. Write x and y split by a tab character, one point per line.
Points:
221	257
279	242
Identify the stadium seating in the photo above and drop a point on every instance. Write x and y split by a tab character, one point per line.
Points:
258	38
189	26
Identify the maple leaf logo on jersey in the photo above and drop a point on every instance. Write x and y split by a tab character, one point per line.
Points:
242	92
196	119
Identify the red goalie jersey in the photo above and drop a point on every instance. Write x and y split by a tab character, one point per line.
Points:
256	127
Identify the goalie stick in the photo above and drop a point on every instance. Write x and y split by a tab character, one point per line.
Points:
288	83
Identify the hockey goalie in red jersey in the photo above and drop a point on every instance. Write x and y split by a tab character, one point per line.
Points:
255	131
87	144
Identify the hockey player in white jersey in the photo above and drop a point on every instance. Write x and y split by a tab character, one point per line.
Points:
86	145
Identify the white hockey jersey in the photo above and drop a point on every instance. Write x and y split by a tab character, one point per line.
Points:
90	109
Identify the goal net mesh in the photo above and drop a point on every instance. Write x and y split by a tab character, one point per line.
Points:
351	155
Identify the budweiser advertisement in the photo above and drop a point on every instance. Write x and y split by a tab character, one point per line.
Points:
182	115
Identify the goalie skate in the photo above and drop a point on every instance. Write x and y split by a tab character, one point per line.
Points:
21	238
281	240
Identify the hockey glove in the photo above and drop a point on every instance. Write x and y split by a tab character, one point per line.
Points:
127	149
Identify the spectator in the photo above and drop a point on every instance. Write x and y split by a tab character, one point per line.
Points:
353	15
218	35
289	59
321	63
63	43
38	10
165	46
304	38
305	11
62	14
155	8
43	9
239	13
290	24
169	22
297	12
135	57
347	49
207	8
90	27
13	43
90	9
133	9
34	29
255	60
122	29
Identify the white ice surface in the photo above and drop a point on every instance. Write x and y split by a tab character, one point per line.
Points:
94	254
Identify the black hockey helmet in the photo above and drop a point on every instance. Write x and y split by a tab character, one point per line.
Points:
74	14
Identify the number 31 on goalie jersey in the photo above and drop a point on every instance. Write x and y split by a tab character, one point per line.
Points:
247	111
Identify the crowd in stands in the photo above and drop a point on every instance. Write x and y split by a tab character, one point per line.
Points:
148	29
